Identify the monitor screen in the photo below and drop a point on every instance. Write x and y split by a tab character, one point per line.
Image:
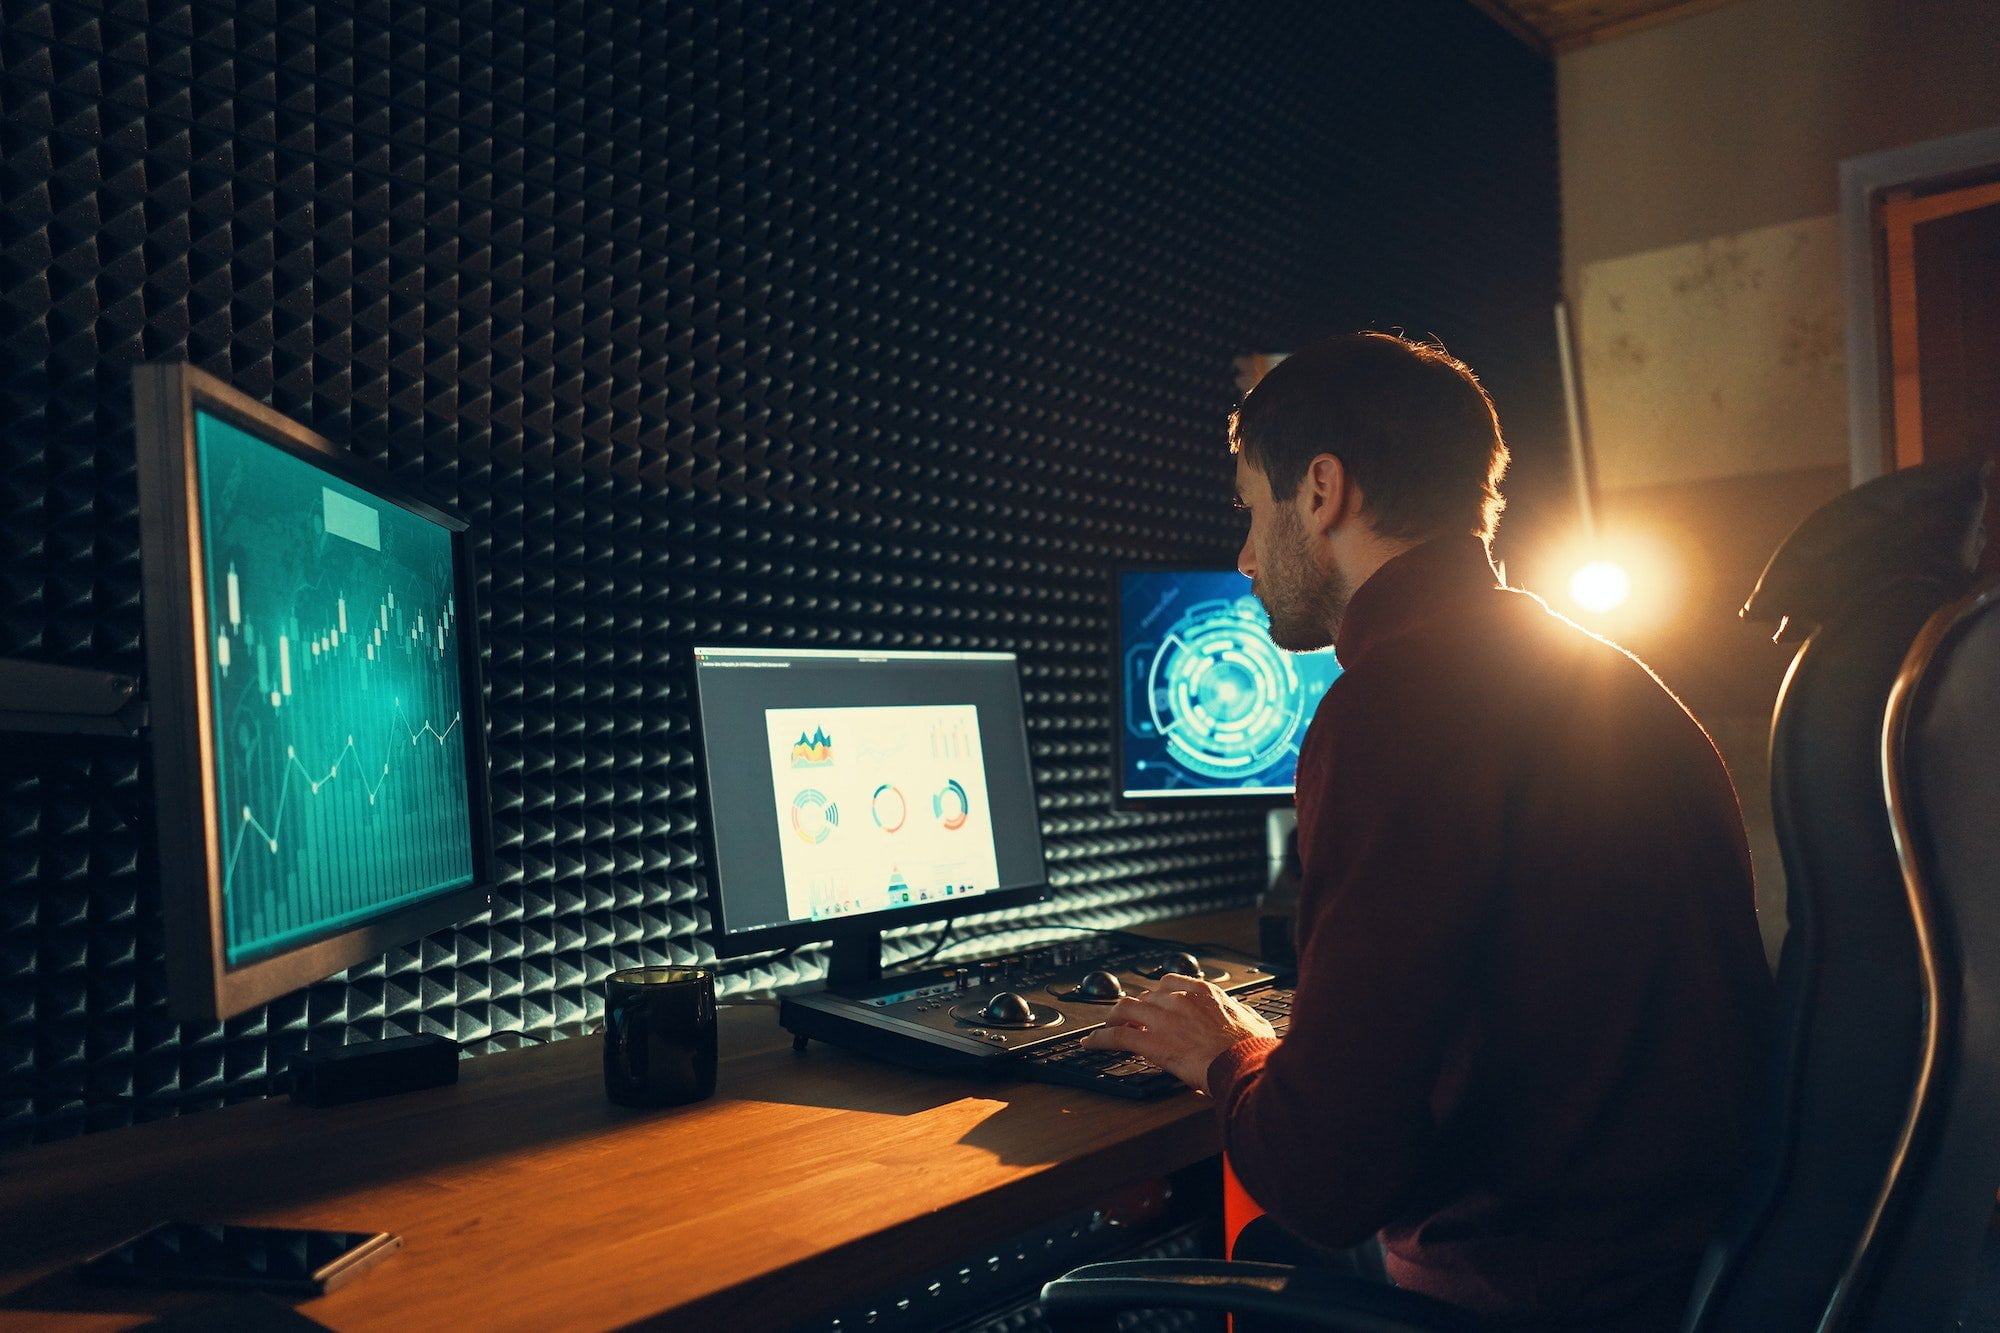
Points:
1209	709
863	787
314	689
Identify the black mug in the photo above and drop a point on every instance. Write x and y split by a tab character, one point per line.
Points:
659	1035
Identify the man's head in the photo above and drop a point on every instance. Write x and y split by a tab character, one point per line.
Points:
1347	452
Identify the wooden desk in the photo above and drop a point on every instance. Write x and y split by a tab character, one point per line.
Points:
526	1200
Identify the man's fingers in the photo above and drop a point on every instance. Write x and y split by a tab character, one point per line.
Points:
1126	1016
1112	1037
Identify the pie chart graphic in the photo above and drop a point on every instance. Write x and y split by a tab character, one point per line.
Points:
889	808
950	804
814	817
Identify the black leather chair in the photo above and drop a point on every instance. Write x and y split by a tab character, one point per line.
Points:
1874	1176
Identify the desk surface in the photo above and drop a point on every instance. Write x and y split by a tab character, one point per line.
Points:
525	1199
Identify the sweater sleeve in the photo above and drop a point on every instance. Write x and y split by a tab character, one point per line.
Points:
1328	1129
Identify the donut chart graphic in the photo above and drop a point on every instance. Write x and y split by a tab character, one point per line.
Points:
814	817
1223	697
889	808
950	804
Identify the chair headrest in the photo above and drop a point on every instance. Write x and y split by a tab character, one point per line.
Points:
1919	523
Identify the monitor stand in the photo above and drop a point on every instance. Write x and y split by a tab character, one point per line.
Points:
1277	912
856	959
1281	853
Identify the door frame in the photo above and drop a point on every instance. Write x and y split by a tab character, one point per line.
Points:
1864	181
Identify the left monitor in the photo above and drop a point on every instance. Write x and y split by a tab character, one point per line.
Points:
314	688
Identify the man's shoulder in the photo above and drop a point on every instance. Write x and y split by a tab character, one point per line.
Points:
1473	636
1503	650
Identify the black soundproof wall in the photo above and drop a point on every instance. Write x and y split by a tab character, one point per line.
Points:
879	322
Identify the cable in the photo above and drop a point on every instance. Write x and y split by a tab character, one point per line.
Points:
1020	928
515	1032
950	925
741	966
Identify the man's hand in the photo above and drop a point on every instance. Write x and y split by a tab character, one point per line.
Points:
1181	1026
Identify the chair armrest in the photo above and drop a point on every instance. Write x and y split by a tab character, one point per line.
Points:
1088	1297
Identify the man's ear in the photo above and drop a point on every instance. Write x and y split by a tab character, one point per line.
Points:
1331	496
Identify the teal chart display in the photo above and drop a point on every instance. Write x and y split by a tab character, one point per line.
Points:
337	719
1209	706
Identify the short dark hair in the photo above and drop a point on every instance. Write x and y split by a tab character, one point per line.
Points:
1407	420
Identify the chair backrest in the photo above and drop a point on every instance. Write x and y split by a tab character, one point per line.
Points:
1941	748
1860	1107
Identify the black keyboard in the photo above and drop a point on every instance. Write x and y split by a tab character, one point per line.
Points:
1122	1074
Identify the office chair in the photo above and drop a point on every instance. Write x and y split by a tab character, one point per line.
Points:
1872	1178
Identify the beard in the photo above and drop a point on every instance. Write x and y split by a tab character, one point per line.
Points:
1305	604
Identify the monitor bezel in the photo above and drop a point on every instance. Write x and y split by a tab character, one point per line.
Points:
1206	801
859	927
201	985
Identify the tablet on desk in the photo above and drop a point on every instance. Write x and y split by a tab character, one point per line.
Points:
215	1254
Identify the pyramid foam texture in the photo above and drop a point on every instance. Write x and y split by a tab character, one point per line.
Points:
892	323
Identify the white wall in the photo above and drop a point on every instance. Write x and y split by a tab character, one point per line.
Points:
1700	164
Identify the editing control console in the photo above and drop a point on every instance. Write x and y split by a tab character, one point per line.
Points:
995	1011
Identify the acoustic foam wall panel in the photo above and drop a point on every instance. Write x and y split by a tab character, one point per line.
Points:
880	322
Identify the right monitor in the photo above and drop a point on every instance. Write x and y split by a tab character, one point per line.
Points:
1210	711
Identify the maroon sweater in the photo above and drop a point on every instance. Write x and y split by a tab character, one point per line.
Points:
1531	990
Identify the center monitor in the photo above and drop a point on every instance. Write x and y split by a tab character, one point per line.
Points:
853	790
1210	711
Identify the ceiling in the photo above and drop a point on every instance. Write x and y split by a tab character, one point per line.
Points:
1555	26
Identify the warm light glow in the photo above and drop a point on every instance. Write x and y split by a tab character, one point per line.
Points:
1628	584
1600	586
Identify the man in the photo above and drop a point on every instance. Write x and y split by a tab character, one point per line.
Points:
1530	988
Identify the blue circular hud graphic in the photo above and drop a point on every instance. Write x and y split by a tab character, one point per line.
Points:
1222	694
1211	704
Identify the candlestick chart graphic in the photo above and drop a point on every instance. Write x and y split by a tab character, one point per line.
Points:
337	719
